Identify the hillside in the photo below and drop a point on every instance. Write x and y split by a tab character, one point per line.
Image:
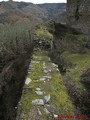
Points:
55	11
11	12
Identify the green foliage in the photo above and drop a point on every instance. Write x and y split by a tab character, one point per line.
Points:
14	40
43	35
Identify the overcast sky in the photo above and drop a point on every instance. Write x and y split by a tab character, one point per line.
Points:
41	1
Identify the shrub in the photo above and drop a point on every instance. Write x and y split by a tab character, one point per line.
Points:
15	40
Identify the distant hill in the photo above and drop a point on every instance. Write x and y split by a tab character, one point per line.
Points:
55	11
11	12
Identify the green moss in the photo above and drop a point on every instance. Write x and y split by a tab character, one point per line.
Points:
60	99
55	87
43	33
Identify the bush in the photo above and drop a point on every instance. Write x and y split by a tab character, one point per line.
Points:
15	40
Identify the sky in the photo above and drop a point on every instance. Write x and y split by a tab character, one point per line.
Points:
41	1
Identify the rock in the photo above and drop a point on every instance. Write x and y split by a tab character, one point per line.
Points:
44	67
54	65
16	107
45	71
39	92
50	70
46	111
44	64
38	89
38	102
27	81
46	98
39	112
57	69
47	77
36	80
55	116
50	108
49	59
42	79
29	72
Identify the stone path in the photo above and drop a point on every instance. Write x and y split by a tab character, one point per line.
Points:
38	101
45	78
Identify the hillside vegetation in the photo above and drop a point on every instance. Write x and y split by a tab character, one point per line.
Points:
21	12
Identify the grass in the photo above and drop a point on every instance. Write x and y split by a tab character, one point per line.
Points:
82	63
43	33
55	87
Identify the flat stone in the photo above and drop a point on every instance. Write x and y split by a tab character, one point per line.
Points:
29	72
38	102
38	89
47	77
27	81
46	98
36	80
46	111
42	79
39	92
44	67
49	59
54	65
39	112
57	69
44	64
50	70
45	71
55	116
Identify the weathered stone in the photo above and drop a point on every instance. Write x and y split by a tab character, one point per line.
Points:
27	81
44	64
47	77
57	69
42	79
38	102
50	70
55	116
46	98
45	71
46	111
39	92
49	59
54	65
38	89
39	112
